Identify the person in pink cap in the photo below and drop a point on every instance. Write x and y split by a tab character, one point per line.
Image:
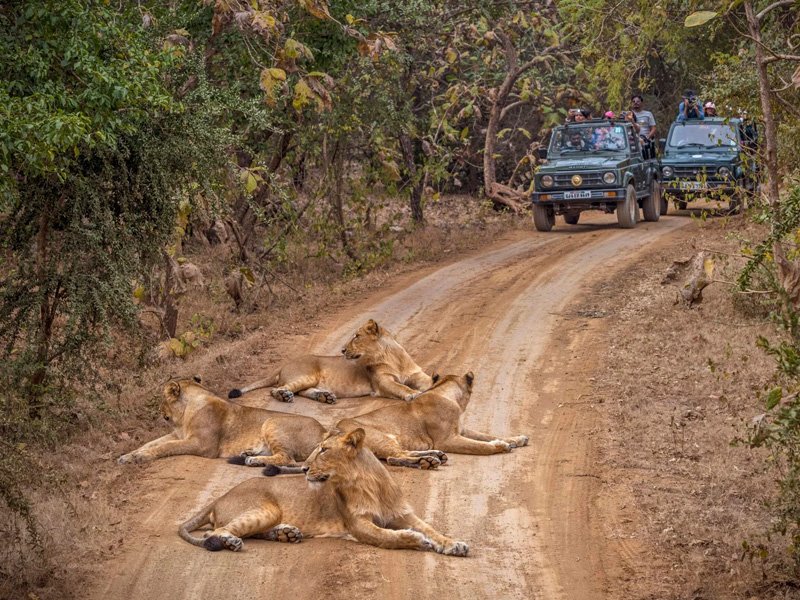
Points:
710	109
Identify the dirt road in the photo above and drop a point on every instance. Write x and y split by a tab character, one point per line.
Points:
530	517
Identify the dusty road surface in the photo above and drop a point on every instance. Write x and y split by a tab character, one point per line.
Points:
531	518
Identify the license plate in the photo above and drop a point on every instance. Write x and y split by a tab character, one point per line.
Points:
691	185
577	195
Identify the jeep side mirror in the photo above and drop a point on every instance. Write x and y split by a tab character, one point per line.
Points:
542	153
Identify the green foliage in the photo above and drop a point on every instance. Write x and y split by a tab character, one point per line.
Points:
94	166
778	428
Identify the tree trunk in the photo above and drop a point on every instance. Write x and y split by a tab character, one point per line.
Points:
415	181
770	130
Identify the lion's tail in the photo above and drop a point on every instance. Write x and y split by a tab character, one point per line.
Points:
270	381
272	470
197	521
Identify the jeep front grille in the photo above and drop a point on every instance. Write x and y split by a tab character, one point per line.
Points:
565	179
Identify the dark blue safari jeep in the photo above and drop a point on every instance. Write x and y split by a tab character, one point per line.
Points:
709	159
596	165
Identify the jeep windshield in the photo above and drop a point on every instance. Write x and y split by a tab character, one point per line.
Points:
581	140
703	135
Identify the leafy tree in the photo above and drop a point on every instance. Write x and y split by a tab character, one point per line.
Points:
94	164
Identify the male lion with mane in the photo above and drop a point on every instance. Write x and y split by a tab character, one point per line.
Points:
206	425
346	493
374	363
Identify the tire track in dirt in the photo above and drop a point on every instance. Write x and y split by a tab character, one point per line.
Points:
494	313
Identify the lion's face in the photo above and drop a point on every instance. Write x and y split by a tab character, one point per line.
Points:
365	341
173	404
334	455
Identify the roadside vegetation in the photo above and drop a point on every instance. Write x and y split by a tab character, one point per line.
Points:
174	173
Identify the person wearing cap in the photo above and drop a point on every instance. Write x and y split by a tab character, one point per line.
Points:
710	109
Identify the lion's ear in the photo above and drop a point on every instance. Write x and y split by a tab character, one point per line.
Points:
372	327
470	377
355	438
197	379
173	390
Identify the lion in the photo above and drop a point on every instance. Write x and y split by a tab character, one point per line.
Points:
420	433
346	493
209	426
374	363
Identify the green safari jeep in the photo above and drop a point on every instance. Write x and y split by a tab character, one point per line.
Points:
596	165
708	159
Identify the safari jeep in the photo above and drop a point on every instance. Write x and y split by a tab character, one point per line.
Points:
708	159
596	165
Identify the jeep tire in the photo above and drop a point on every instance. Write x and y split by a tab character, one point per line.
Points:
571	217
628	209
544	217
651	206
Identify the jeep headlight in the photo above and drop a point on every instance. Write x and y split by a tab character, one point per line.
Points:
724	172
547	180
668	171
609	177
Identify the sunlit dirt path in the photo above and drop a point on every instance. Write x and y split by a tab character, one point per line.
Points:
530	517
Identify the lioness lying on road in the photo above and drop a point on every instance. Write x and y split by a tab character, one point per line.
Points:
206	425
352	496
373	364
418	433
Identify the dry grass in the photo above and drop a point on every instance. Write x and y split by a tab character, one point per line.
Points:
680	386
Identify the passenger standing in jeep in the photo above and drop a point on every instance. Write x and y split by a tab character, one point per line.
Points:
647	125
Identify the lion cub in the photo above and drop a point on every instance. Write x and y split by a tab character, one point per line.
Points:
346	493
417	434
374	363
206	425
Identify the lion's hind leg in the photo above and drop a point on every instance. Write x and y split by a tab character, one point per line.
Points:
286	392
251	523
319	395
288	534
418	459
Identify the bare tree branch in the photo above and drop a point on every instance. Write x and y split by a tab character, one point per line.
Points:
773	6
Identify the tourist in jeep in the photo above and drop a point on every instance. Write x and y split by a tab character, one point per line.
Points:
645	124
689	108
710	109
577	142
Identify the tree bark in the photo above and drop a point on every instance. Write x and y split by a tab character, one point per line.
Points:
770	130
415	181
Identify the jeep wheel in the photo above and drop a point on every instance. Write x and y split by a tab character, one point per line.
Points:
628	210
664	203
544	217
651	206
571	218
682	204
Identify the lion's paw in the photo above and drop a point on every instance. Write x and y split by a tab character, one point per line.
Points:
456	549
130	458
501	445
223	541
428	462
440	455
422	540
519	441
283	395
253	461
325	397
288	534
